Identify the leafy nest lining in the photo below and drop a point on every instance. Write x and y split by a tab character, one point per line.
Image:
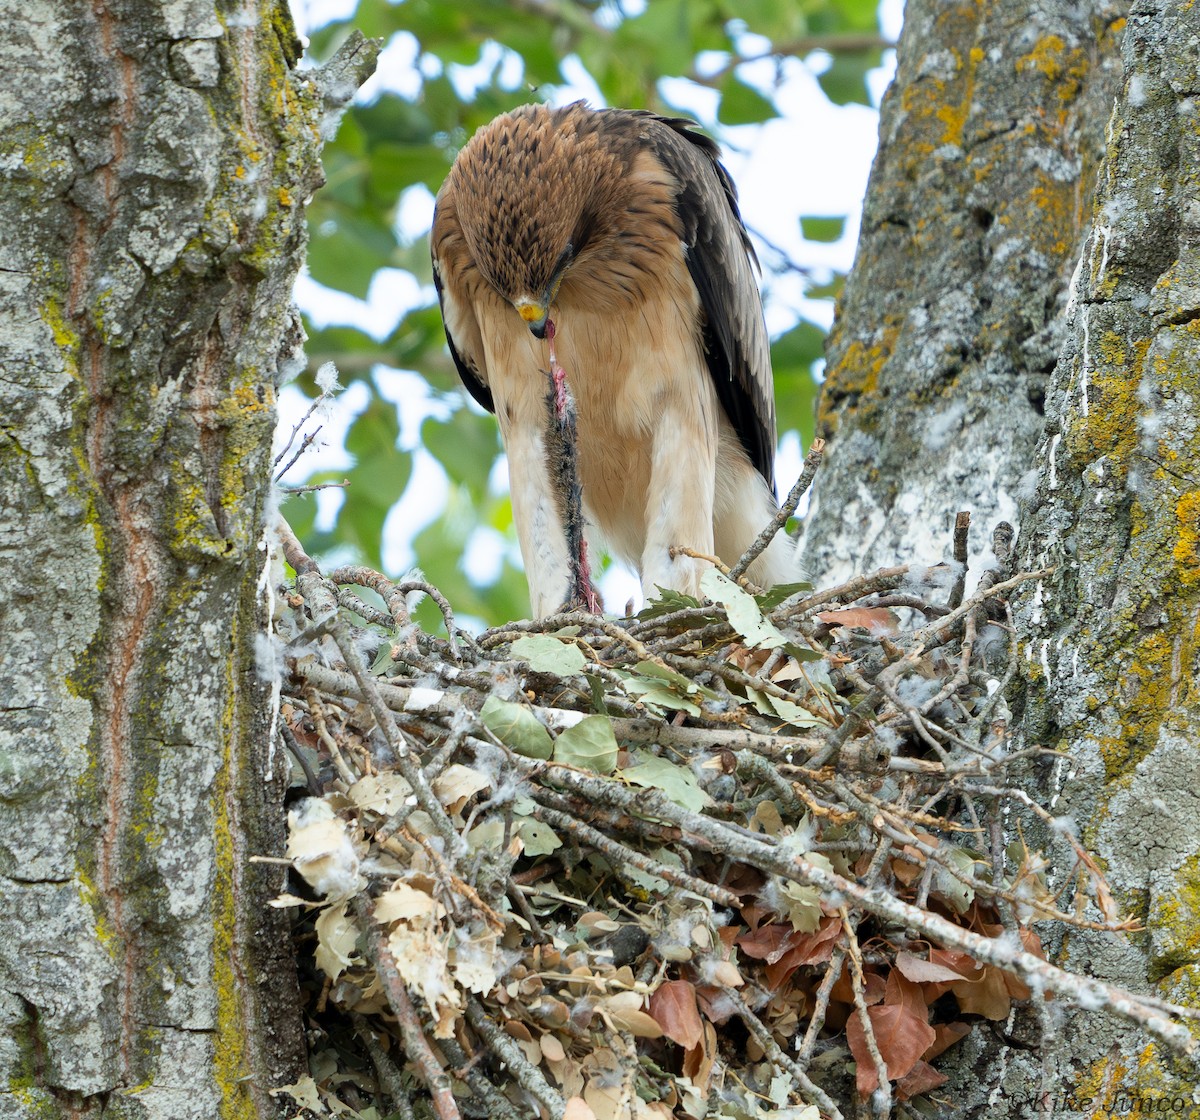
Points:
763	856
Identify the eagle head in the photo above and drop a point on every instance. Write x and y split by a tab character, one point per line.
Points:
529	189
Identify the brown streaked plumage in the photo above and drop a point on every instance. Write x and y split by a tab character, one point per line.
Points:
623	228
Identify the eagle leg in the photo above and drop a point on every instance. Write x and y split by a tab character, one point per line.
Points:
679	501
562	459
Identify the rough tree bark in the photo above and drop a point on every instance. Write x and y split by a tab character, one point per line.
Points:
1021	223
156	159
952	318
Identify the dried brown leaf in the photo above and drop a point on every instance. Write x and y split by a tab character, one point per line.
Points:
901	1036
878	620
674	1008
578	1109
924	972
920	1079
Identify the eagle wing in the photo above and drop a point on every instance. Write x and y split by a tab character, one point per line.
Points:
721	262
454	277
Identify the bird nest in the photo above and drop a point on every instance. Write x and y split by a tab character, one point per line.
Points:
758	856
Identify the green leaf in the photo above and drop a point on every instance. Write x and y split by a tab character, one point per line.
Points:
539	838
803	653
677	782
517	727
787	710
743	104
345	250
655	696
958	894
793	355
822	229
547	654
590	745
599	695
652	884
467	446
832	289
662	687
773	596
666	673
741	609
845	82
667	602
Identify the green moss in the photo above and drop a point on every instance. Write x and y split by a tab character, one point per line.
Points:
231	1060
65	337
1056	219
1176	920
1141	697
1110	428
953	114
1064	67
1186	552
855	374
23	1084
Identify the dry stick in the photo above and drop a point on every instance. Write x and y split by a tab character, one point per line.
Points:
881	1099
304	445
880	814
385	1068
393	597
939	631
961	675
1010	668
317	710
886	579
362	608
443	605
765	853
816	1021
962	532
436	1079
311	487
467	1069
619	853
815	1094
499	634
1082	855
812	461
528	1076
317	402
758	767
310	775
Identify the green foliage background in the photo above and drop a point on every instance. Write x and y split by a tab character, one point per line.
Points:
395	144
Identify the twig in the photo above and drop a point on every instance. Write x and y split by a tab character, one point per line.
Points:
881	1099
627	857
763	852
815	1094
385	1068
962	530
812	461
436	1079
528	1076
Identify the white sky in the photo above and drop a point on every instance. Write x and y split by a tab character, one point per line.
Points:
813	160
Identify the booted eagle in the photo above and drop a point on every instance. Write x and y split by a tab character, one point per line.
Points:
614	235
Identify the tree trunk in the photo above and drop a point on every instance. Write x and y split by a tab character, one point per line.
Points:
156	161
952	317
1019	224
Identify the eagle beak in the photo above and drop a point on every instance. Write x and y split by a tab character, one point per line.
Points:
535	315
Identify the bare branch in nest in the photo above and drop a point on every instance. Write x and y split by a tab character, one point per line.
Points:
812	461
578	847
